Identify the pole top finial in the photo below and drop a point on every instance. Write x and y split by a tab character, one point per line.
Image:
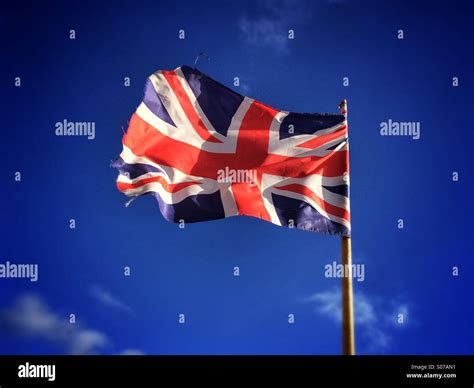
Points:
343	106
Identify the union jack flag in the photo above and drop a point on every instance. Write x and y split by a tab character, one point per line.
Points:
206	152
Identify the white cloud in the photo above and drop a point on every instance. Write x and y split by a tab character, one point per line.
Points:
85	341
327	303
378	340
264	33
30	316
271	29
106	298
131	352
373	320
397	310
364	310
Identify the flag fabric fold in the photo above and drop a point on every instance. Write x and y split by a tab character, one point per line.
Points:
206	152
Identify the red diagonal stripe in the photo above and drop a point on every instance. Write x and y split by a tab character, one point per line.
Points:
170	188
249	200
323	139
188	107
327	207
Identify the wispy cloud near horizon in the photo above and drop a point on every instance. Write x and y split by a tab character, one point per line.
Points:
30	317
374	319
131	352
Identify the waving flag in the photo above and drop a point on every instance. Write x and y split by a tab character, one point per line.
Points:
206	152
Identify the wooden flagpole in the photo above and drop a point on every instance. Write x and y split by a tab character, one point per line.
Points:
348	347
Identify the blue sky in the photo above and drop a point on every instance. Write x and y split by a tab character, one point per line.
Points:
191	271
